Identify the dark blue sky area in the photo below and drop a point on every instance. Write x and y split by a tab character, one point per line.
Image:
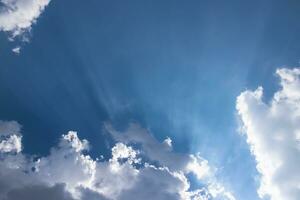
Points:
176	67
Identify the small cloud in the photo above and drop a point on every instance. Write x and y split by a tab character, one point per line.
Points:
11	144
168	142
16	50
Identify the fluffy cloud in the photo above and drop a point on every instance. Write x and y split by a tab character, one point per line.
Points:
12	143
17	16
11	138
273	133
140	167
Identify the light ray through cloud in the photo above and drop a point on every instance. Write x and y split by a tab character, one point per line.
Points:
148	98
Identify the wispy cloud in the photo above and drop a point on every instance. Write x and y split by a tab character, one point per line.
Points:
16	50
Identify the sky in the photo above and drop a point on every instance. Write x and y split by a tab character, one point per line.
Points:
166	100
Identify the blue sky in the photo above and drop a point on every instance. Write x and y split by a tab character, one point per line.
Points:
173	67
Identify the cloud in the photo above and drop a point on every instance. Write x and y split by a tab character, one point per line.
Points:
140	167
10	128
18	16
39	192
162	154
11	138
273	133
16	50
12	143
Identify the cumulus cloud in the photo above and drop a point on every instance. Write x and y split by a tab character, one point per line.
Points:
273	133
140	167
11	138
17	16
12	143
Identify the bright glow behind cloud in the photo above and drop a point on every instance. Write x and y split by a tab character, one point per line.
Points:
273	133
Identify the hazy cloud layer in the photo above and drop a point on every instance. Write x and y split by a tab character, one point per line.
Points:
68	172
39	192
273	133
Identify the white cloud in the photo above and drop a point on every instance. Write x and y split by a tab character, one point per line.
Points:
18	16
121	151
16	50
273	133
11	144
11	138
199	167
147	172
168	142
67	164
165	158
151	148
